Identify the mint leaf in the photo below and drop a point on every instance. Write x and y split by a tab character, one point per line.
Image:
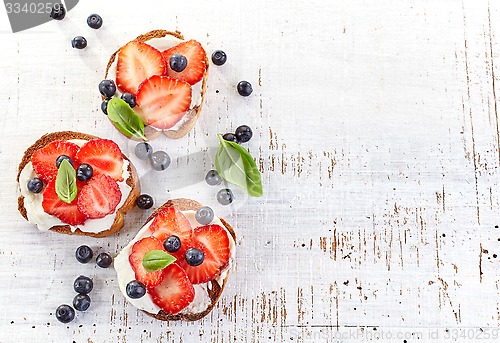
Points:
235	165
66	182
125	119
157	259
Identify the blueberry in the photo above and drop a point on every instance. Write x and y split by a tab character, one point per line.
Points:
84	172
136	289
230	137
178	62
58	12
103	260
79	42
225	196
160	160
143	150
107	88
84	254
204	215
219	57
172	244
244	88
104	106
243	133
194	257
144	201
94	21
129	99
81	302
65	313
83	285
213	178
35	185
62	158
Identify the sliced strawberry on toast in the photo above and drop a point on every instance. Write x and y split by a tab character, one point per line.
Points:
168	222
139	249
44	159
196	61
163	101
214	242
99	197
67	213
137	61
104	156
175	292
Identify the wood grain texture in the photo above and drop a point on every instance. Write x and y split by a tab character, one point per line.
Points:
376	129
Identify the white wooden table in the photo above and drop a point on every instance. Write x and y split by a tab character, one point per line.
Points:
376	130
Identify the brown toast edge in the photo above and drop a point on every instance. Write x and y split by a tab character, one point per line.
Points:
132	181
215	290
191	115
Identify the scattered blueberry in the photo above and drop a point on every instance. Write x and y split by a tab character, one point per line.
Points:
35	185
143	150
81	302
213	178
178	62
84	172
79	42
219	57
243	133
194	257
58	12
107	88
244	88
65	313
172	244
225	196
103	260
160	160
204	215
144	201
136	289
84	254
83	285
62	158
104	106
94	21
129	99
230	137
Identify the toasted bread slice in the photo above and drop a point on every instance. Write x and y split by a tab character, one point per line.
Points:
192	114
132	181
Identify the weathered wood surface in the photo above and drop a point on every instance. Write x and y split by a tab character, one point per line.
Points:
376	129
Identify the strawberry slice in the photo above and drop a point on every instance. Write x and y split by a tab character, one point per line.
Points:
44	159
137	61
175	292
168	222
139	249
67	213
104	156
196	61
214	242
99	197
163	101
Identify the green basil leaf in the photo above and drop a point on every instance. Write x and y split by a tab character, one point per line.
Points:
235	165
125	119
66	182
157	259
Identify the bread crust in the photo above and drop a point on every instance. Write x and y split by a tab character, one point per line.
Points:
191	115
215	290
132	181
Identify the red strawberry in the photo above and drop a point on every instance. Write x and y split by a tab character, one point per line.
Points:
99	197
67	213
196	61
104	156
168	222
214	242
175	292
136	62
163	101
44	159
139	249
